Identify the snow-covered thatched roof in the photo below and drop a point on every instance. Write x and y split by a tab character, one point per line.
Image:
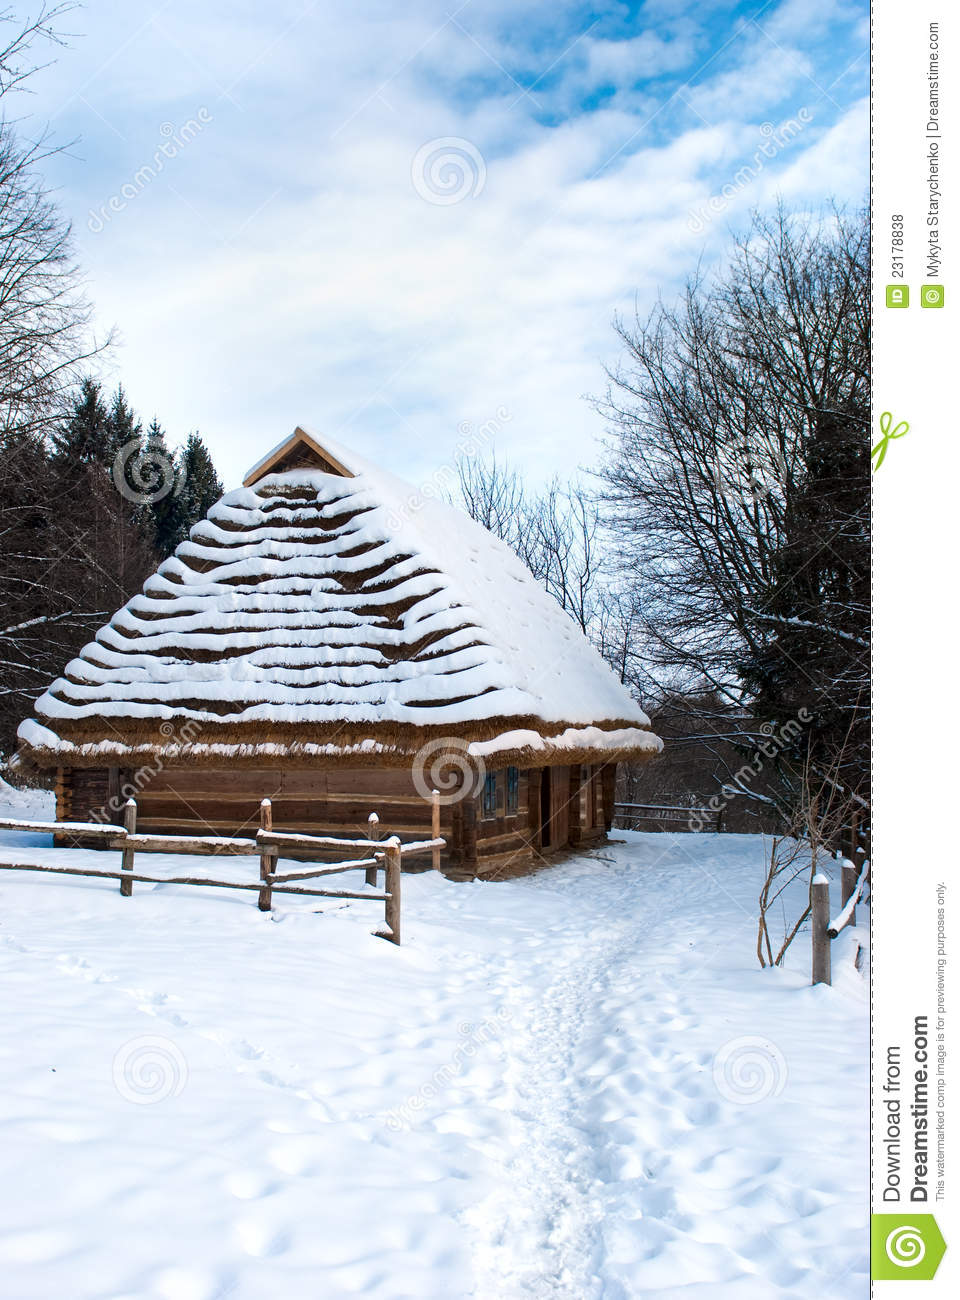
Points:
327	611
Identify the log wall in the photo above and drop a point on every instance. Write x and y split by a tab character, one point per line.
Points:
506	842
227	802
338	802
559	808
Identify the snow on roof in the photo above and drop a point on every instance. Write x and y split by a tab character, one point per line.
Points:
310	598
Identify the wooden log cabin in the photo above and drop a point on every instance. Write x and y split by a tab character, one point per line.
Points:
334	640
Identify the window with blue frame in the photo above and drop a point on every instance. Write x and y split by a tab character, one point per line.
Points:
490	795
513	789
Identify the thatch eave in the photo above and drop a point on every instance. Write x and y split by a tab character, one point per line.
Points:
524	742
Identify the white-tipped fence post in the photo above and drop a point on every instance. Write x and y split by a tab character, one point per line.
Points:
435	826
393	873
373	833
849	875
126	858
819	921
268	857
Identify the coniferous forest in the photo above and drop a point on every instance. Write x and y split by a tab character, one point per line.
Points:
90	503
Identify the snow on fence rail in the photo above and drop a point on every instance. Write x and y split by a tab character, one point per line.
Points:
848	913
823	930
660	812
388	853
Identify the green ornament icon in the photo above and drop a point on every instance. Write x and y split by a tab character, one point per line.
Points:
905	1247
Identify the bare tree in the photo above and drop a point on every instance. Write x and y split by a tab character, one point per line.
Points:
738	481
564	550
818	828
19	36
45	318
556	532
65	554
494	495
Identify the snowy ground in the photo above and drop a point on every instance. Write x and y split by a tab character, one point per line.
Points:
573	1085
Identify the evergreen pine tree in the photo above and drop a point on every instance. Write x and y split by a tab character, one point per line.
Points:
201	483
195	488
161	519
83	438
122	427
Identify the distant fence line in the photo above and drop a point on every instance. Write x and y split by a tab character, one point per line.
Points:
657	816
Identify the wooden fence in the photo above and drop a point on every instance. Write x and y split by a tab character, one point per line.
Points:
628	816
853	882
271	845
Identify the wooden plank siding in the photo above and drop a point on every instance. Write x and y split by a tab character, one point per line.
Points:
559	808
608	784
338	801
575	818
227	802
325	802
506	839
82	796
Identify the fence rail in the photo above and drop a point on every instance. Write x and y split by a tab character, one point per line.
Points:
269	844
636	813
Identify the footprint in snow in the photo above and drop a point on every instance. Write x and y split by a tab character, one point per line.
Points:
71	965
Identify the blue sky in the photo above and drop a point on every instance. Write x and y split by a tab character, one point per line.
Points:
305	252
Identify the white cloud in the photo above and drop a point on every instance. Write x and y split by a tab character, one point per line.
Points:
626	62
283	267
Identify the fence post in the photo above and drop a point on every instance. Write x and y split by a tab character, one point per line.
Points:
373	833
849	875
860	856
393	872
852	835
126	860
435	826
268	857
819	920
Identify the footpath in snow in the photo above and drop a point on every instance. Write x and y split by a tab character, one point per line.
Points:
575	1085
